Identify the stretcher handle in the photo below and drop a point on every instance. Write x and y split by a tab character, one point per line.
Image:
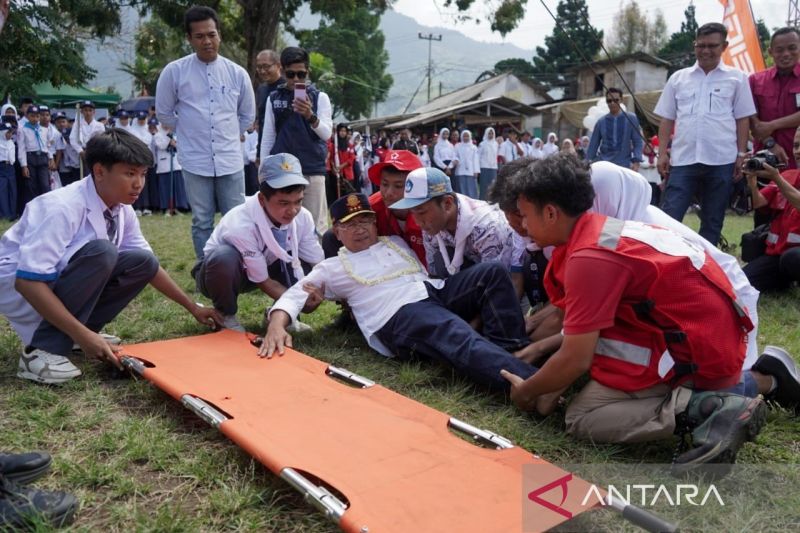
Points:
317	495
644	519
349	377
210	414
132	364
481	436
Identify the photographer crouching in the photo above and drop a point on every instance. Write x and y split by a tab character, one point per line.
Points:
779	264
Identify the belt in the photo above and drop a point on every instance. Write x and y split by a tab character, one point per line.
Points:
38	152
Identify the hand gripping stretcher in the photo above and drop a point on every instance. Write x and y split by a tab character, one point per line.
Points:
370	459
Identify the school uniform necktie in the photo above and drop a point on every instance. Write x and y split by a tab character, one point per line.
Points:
280	237
111	226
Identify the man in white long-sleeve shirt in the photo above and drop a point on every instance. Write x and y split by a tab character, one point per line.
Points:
85	127
404	313
208	100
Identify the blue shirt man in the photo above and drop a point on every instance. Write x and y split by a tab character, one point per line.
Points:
616	136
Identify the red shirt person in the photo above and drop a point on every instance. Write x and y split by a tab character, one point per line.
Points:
776	93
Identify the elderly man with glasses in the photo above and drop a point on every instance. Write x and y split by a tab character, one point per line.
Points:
297	120
402	312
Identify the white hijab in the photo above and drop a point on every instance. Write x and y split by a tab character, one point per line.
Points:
550	147
624	194
536	149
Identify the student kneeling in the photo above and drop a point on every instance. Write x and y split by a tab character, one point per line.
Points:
77	257
268	242
649	315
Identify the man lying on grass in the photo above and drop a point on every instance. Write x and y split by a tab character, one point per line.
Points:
77	257
401	311
650	315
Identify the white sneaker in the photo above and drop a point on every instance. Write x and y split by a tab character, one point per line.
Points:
146	212
46	367
138	212
111	339
232	323
298	327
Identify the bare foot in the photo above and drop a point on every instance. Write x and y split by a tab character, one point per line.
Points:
547	403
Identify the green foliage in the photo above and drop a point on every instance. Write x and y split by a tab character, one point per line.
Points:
573	30
41	42
679	49
503	15
516	66
633	31
354	44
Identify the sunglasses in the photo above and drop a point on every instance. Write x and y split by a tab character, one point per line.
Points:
299	74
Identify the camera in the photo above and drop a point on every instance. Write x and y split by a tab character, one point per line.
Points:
761	158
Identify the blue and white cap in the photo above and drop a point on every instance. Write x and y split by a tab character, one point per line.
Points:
423	184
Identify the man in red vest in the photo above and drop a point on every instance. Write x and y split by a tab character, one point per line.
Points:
650	316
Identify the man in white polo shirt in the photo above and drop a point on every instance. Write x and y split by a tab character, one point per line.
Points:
709	104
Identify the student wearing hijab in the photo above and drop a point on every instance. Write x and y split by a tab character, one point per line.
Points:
444	154
551	146
469	165
568	148
487	155
536	149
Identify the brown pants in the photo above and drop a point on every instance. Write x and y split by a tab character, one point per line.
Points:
602	414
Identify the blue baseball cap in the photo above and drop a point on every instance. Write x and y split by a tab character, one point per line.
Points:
32	109
423	184
281	170
152	122
141	115
87	103
123	114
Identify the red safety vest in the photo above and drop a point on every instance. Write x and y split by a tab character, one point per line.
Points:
689	326
389	225
784	230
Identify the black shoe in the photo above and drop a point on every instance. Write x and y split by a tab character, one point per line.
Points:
777	363
24	467
26	508
720	423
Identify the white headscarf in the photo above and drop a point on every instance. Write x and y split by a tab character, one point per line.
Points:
443	136
467	134
624	194
536	149
8	105
550	147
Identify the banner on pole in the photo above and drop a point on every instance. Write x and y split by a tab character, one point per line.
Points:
744	48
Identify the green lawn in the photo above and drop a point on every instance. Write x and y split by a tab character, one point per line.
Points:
138	461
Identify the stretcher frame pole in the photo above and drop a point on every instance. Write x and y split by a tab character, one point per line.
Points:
640	517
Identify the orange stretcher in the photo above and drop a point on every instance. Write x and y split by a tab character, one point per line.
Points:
370	459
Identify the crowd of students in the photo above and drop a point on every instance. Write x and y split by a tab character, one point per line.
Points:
566	270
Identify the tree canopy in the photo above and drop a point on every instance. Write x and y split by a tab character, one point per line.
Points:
679	49
633	31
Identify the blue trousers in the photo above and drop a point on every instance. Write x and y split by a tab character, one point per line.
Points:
438	328
172	191
712	183
8	191
206	194
487	177
97	284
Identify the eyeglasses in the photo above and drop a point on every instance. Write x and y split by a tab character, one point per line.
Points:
265	67
362	222
299	74
707	46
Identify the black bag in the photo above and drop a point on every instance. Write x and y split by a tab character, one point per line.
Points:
754	243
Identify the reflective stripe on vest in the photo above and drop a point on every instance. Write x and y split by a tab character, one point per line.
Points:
624	351
772	238
611	233
793	238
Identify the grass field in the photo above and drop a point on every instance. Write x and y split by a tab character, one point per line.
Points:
139	462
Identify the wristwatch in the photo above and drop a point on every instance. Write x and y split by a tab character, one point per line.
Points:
769	142
312	119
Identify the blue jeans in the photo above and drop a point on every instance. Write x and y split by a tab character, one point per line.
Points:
438	327
712	183
747	386
468	185
8	191
206	194
487	177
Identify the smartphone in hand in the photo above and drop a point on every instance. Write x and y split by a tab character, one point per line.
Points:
300	91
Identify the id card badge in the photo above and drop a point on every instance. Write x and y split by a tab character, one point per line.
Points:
797	100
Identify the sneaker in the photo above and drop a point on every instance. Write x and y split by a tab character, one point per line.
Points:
28	508
777	362
45	367
146	212
231	322
138	212
720	423
111	339
298	327
24	467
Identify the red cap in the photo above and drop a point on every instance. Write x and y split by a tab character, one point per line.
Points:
399	159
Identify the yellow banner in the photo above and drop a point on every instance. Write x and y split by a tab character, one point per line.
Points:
744	48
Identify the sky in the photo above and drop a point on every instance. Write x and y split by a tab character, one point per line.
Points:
537	23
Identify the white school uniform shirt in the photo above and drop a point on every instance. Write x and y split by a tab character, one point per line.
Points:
705	108
509	152
52	228
142	133
87	132
208	105
244	227
250	147
27	142
163	156
372	305
8	151
52	135
468	159
487	152
444	151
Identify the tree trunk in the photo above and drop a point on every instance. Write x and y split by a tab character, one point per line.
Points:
261	26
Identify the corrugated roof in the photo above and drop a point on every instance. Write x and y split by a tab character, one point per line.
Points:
506	106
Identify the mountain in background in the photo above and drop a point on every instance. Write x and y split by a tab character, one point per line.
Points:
457	59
